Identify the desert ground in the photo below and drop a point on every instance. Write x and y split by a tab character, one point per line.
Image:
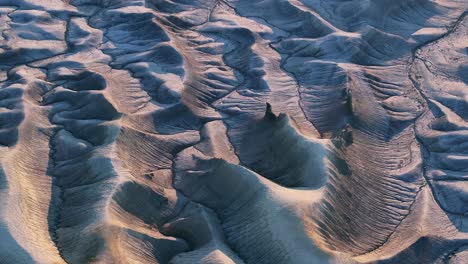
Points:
233	131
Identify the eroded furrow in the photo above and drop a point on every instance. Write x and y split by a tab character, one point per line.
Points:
233	131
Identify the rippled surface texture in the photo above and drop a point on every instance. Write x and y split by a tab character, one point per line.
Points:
233	131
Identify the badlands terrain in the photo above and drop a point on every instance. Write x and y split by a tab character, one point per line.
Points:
233	131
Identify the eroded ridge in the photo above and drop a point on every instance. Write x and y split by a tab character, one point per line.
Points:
233	131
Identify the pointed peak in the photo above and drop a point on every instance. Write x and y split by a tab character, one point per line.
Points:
269	112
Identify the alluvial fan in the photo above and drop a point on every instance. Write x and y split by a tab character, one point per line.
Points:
233	131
